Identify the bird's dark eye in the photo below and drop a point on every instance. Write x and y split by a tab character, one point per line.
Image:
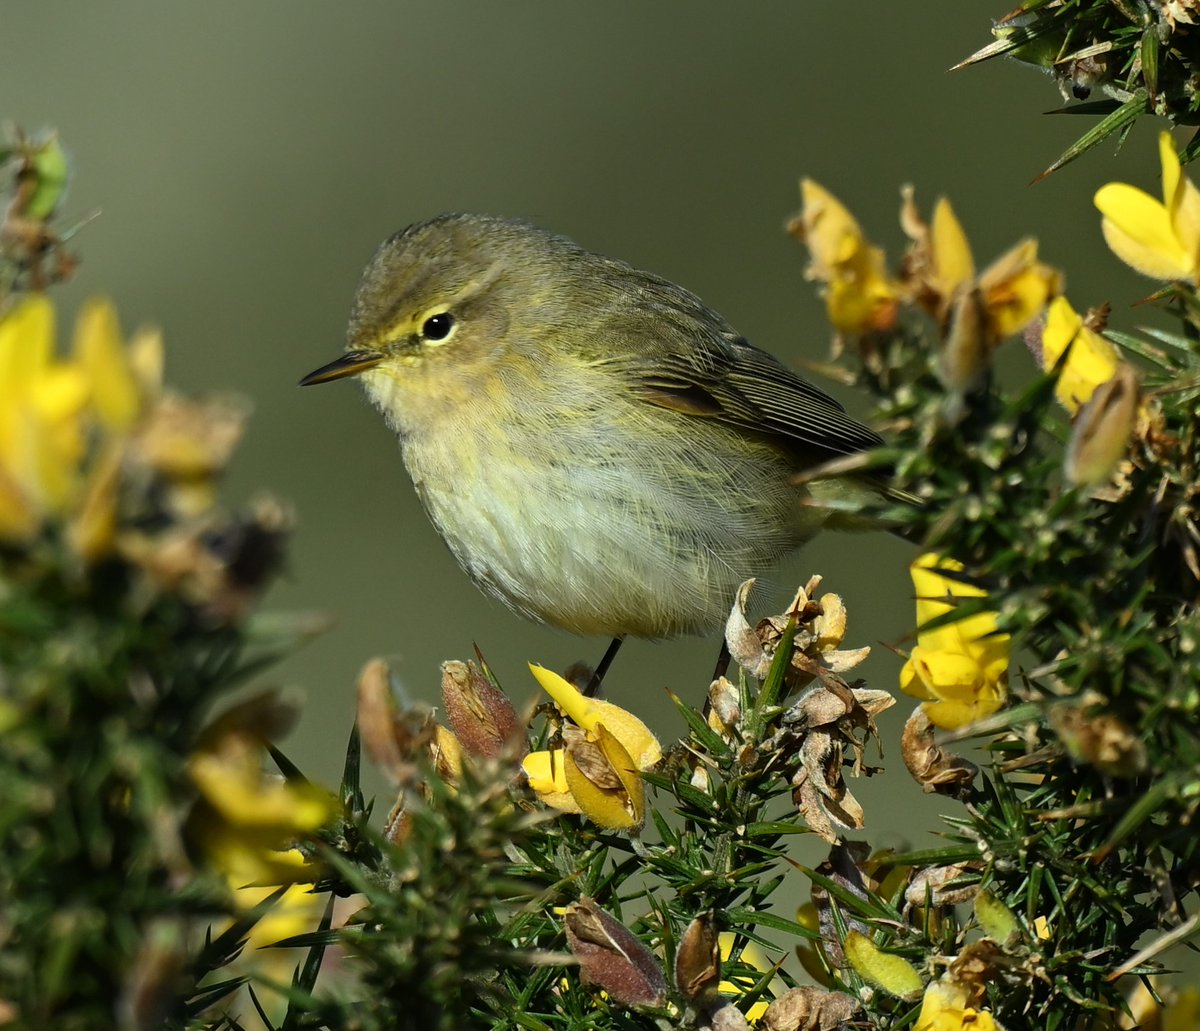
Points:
437	327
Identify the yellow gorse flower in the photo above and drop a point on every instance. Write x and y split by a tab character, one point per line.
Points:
859	295
1091	361
248	821
1160	239
599	773
959	669
944	1008
53	412
1008	294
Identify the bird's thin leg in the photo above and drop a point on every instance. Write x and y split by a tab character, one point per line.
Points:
723	658
593	687
719	670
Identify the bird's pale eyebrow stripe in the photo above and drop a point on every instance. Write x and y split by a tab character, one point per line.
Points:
401	320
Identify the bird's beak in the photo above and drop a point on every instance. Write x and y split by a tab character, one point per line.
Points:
349	364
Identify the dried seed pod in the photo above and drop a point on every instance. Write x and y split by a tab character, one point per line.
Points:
698	960
933	768
809	1008
613	958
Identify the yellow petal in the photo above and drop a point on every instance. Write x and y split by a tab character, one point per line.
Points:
1062	323
951	251
1185	216
973	635
933	589
958	669
246	798
954	715
544	771
831	232
634	735
617	809
911	682
945	673
547	776
245	861
101	354
1139	231
92	530
752	955
60	393
1182	201
26	344
46	461
944	1008
566	695
1016	287
1171	169
860	296
447	754
146	360
1092	361
298	910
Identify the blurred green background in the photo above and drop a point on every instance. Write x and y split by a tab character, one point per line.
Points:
248	158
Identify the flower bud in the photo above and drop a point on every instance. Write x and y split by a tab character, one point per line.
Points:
46	168
996	919
390	737
964	356
892	973
1100	436
480	714
724	706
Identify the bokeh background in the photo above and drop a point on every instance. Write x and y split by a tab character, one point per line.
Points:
247	158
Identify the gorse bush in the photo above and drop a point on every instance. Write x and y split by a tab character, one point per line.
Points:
163	864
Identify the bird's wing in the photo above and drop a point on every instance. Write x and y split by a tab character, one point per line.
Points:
697	364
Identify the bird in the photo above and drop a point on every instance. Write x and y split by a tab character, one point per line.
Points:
599	449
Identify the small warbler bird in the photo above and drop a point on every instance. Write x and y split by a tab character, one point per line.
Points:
599	449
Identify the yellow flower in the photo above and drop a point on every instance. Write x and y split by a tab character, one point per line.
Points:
296	911
248	821
1092	359
975	311
598	772
42	401
958	669
1160	239
101	355
944	1008
48	410
859	296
